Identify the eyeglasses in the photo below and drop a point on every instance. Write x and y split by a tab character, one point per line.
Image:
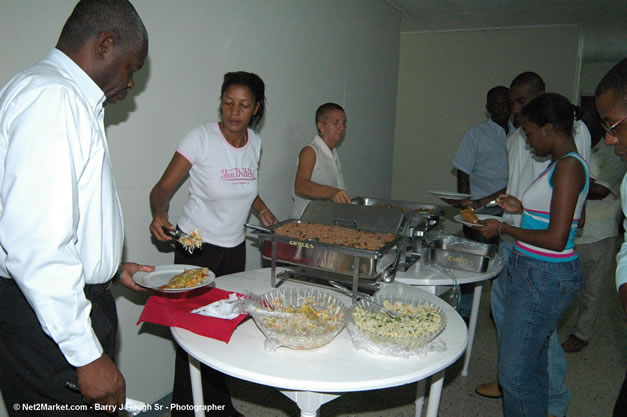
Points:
611	129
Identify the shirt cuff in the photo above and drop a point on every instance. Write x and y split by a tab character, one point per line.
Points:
82	350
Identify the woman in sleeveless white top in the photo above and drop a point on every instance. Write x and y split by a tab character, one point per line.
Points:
544	273
319	172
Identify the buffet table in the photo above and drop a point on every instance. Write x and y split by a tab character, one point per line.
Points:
314	377
437	280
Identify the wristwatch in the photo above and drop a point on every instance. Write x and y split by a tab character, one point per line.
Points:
118	275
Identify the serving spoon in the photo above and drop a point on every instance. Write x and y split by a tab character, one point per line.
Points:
346	291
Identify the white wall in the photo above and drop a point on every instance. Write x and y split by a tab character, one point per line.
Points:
307	53
442	86
591	75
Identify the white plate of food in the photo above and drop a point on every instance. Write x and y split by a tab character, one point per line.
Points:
480	217
448	196
175	278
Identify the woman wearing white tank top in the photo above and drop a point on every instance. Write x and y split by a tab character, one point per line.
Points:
544	273
319	173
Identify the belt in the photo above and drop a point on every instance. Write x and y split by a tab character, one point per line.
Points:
90	290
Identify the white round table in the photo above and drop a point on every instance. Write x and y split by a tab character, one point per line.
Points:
437	279
313	377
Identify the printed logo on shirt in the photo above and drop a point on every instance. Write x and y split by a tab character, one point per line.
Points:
241	175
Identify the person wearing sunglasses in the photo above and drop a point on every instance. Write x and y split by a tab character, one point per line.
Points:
611	99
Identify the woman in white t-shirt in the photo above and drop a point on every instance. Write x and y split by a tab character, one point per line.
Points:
222	161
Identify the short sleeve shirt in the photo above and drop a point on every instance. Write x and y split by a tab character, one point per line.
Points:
223	184
482	155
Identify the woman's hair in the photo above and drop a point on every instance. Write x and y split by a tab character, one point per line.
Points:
552	108
255	85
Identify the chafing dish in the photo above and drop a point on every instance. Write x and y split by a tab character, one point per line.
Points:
459	253
421	218
334	259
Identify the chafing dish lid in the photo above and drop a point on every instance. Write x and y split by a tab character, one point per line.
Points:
372	219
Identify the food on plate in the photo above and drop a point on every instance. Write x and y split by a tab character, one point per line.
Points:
191	241
335	235
187	279
414	322
468	215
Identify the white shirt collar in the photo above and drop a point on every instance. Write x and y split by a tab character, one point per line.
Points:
325	148
90	90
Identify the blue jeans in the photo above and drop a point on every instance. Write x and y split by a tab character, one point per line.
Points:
538	293
559	396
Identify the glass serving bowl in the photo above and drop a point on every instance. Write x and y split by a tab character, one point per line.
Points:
374	330
298	318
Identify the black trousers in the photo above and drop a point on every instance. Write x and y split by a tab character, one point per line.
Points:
34	371
222	261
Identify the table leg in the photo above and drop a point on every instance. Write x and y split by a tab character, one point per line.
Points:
194	373
472	326
309	402
420	396
435	392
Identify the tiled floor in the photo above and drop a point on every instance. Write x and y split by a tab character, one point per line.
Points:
594	378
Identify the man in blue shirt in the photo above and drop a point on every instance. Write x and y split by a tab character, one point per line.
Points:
481	159
481	164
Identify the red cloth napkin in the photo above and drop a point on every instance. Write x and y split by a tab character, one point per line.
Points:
174	310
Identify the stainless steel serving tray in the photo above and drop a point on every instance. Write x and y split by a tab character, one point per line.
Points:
461	254
418	214
334	258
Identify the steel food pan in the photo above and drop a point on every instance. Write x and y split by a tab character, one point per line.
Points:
328	257
416	213
460	254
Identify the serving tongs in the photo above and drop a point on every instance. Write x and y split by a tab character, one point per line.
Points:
489	204
387	311
176	234
258	228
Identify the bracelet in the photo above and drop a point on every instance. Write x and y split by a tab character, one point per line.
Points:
500	227
262	211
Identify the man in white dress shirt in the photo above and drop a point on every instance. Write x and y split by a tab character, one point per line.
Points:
61	228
